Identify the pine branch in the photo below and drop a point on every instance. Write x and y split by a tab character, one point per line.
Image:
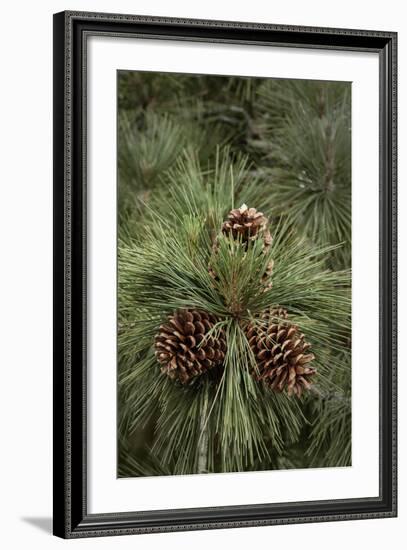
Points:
298	137
169	271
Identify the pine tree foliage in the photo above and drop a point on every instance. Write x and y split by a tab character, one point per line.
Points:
306	148
168	271
190	150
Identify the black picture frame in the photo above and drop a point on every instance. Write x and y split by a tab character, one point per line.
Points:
71	518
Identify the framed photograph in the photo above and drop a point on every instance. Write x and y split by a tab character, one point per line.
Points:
225	274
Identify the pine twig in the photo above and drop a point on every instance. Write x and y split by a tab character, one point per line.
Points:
203	444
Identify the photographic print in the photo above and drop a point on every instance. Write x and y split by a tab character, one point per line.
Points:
225	274
234	285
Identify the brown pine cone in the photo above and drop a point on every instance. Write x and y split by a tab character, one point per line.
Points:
181	347
248	224
281	353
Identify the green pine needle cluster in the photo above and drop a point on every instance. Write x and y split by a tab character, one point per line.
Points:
190	149
305	145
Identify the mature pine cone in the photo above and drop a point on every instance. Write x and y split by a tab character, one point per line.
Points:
248	224
281	353
181	347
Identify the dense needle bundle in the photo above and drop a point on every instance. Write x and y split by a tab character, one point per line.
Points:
247	225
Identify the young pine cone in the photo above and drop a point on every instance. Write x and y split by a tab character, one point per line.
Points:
183	350
248	224
281	353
